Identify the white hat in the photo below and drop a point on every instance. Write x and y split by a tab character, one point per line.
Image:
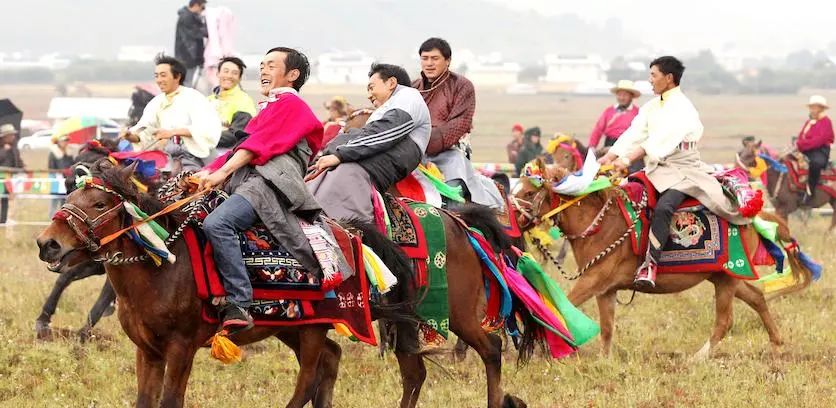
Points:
8	129
818	100
626	85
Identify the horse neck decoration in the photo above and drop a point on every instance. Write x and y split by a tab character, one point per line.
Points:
160	311
610	266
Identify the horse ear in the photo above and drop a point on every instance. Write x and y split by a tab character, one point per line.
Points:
128	171
540	163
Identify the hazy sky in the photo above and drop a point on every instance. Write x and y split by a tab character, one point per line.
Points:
744	27
755	27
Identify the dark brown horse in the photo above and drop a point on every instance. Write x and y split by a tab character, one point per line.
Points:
160	312
606	272
104	303
785	197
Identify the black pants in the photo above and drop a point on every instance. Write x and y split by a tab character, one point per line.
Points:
818	160
660	226
4	209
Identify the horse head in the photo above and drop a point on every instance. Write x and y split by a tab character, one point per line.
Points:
566	151
91	212
357	118
533	196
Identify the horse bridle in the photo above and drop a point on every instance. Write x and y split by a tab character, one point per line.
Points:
82	224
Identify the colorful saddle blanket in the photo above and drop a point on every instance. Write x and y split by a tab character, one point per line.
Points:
799	168
285	294
699	241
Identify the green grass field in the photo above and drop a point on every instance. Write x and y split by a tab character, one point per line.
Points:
654	337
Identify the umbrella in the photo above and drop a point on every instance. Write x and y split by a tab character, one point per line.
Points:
79	129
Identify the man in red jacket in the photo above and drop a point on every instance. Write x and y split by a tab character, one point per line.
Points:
451	100
814	141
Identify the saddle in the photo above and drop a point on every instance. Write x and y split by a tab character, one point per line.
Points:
700	241
799	169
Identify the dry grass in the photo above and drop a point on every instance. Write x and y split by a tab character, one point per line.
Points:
654	335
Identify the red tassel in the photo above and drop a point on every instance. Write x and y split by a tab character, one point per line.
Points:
753	206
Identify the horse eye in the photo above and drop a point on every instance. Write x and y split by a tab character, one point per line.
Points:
100	206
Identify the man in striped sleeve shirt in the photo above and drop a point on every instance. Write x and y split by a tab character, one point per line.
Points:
381	153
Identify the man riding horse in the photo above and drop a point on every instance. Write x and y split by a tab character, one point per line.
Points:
814	142
451	99
264	176
665	133
179	121
384	151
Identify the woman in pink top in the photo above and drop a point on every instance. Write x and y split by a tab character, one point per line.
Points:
814	141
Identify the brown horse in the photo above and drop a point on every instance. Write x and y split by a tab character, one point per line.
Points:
607	272
160	312
784	196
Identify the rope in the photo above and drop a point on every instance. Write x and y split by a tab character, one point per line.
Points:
600	255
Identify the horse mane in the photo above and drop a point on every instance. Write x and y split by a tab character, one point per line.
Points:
113	177
582	148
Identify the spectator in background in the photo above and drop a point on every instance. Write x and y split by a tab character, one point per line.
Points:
531	148
9	157
338	110
60	161
814	142
235	108
616	118
516	143
189	39
179	121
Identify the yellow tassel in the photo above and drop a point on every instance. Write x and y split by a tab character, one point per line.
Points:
342	330
224	349
780	283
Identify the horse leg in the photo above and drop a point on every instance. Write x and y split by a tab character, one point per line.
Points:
724	291
606	316
149	378
832	228
413	374
755	299
329	364
311	344
106	297
42	323
489	348
584	289
178	358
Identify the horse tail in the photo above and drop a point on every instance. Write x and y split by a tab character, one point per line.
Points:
484	219
801	266
530	334
398	306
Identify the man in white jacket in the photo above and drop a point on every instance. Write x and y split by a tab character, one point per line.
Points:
665	134
179	121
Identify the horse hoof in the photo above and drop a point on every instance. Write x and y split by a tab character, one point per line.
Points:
703	354
511	401
42	330
84	334
110	309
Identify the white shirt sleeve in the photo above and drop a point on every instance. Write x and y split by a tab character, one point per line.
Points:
147	123
634	136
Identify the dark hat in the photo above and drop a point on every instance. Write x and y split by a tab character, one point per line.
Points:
534	131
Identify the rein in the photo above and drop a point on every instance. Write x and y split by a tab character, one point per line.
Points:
71	213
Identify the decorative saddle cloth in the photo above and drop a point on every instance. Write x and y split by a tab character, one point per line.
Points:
285	294
699	241
799	168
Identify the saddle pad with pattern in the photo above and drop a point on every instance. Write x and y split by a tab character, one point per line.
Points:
283	292
699	242
798	169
